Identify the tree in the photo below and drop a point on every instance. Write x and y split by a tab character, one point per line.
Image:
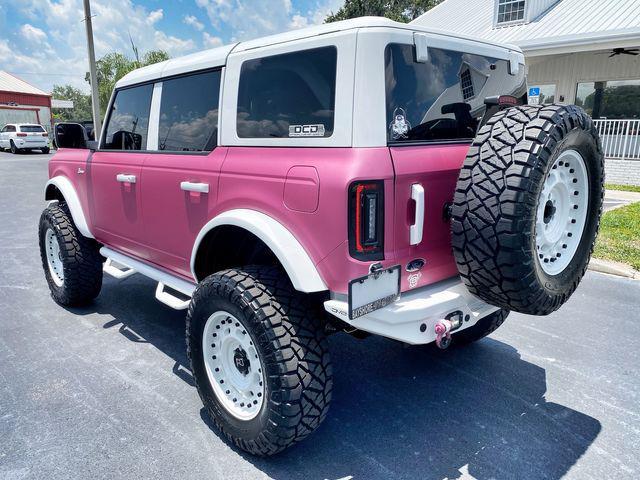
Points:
113	66
398	10
81	104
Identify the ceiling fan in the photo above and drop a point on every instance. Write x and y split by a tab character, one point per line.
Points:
625	51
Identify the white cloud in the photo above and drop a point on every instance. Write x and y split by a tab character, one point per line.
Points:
113	22
57	27
173	45
32	33
249	18
194	22
209	41
155	16
254	18
298	21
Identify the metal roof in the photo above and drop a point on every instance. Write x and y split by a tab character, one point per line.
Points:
569	25
10	83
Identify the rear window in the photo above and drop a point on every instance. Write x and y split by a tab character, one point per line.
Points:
443	98
31	129
288	95
128	123
189	113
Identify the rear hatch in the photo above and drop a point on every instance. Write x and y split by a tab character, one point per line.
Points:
434	109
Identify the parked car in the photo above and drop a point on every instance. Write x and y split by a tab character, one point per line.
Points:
23	137
285	188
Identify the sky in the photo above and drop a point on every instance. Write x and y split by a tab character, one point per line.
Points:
44	41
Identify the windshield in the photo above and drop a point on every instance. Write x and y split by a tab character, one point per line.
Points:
31	128
443	98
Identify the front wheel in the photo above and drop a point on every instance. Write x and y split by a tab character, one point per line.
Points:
72	264
260	363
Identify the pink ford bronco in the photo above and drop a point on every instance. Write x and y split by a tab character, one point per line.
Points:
360	176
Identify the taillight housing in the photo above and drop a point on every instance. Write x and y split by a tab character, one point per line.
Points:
21	134
366	220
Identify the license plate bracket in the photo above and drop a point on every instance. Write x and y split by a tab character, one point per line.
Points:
374	291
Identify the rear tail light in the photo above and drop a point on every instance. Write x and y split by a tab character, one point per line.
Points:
366	220
21	134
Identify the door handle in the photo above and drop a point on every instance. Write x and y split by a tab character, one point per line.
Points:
194	187
121	177
415	231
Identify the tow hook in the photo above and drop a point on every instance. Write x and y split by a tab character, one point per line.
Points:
443	333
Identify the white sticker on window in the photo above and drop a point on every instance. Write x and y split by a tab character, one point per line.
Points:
399	125
306	130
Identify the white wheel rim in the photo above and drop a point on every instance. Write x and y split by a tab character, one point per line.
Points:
233	365
54	259
562	212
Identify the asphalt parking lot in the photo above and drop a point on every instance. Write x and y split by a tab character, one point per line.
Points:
105	391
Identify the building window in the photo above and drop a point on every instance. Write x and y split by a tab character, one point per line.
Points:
466	84
510	11
539	94
615	99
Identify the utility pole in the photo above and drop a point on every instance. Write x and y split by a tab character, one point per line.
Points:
95	100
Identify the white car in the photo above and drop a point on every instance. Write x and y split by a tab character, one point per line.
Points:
20	137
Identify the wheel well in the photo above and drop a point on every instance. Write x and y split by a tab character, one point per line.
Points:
230	246
53	193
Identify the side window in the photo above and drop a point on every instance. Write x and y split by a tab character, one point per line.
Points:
129	119
288	95
11	128
189	113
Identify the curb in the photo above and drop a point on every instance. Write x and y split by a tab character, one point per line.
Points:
613	268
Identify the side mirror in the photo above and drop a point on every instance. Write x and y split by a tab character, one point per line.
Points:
70	135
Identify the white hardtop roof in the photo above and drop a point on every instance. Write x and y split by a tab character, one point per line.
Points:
569	25
217	57
11	83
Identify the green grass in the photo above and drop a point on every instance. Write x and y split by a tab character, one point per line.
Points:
626	188
619	237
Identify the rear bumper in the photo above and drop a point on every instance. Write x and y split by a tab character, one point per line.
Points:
32	143
404	319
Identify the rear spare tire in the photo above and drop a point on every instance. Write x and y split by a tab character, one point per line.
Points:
527	207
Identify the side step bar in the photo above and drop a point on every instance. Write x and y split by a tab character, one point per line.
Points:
164	279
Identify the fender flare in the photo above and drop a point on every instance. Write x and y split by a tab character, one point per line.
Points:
64	185
292	256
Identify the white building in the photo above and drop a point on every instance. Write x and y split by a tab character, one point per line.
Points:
577	51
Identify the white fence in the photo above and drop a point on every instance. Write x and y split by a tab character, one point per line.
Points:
620	138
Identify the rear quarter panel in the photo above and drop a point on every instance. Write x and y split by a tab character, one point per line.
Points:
255	178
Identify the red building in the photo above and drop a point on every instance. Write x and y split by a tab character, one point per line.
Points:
23	103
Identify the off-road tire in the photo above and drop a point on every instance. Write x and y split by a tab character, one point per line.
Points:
81	260
496	200
484	327
293	351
